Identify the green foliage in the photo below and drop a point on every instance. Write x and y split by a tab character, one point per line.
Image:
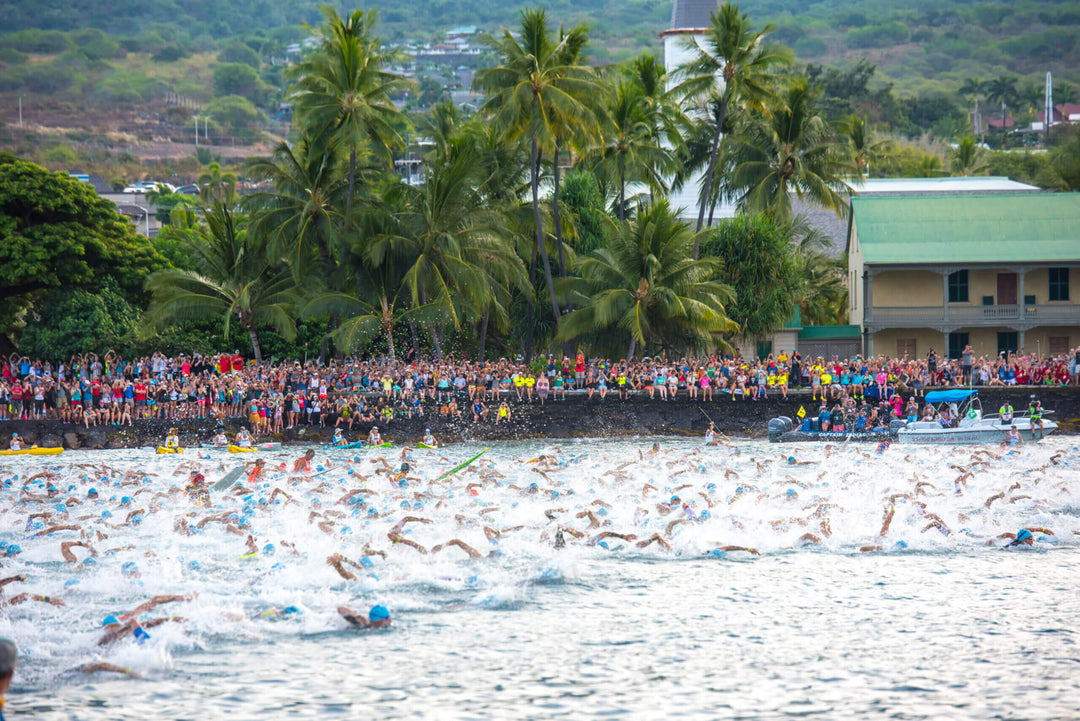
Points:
94	43
66	322
876	36
60	155
760	266
242	80
236	115
58	233
34	40
581	196
238	52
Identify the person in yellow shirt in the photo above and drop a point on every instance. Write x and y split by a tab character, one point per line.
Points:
519	384
529	383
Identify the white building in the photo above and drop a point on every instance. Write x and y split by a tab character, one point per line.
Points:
689	20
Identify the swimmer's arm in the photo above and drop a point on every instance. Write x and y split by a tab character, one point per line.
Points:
671	527
104	666
655	538
12	579
993	498
335	562
888	522
154	603
69	557
1044	531
739	548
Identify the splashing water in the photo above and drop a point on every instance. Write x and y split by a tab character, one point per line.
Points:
484	551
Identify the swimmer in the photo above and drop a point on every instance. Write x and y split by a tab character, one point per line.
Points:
256	471
1012	437
106	667
303	464
1023	538
378	617
196	489
116	627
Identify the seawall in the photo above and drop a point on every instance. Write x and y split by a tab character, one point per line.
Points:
576	417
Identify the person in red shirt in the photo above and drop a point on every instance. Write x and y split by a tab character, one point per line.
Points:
95	392
237	362
140	398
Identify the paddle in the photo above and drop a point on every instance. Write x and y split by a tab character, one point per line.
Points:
454	470
229	479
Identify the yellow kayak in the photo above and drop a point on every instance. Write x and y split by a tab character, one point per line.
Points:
163	449
241	449
34	452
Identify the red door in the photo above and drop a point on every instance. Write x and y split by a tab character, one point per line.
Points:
1006	289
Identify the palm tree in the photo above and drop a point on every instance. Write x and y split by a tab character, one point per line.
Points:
632	149
232	278
645	286
967	158
343	91
216	185
973	89
1002	91
537	92
791	151
447	242
861	145
734	53
301	215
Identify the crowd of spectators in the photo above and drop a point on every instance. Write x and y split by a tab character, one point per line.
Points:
273	396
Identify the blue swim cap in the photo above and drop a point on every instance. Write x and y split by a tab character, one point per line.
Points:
71	582
704	514
3	544
109	620
269	549
92	492
194	565
1023	534
602	544
533	485
791	459
124	500
366	562
290	609
13	549
90	562
554	494
140	635
129	568
378	613
717	553
901	544
791	491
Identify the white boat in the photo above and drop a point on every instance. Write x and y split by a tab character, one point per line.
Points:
967	423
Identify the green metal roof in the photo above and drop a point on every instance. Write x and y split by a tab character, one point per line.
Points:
1024	227
829	332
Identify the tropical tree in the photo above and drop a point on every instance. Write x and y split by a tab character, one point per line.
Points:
537	92
343	91
217	185
1002	92
447	242
732	65
233	277
644	289
791	151
631	147
862	147
967	158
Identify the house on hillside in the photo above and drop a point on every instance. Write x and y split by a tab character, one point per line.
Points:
942	271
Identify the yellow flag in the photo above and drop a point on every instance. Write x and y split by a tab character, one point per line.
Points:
801	413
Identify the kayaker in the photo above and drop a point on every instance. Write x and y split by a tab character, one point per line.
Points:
429	439
172	440
243	438
374	438
339	438
220	439
16	442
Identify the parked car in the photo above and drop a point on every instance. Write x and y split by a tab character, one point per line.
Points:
190	189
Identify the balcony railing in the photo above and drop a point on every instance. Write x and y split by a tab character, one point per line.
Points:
972	315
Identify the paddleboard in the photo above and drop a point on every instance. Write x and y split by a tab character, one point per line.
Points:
464	465
163	449
425	445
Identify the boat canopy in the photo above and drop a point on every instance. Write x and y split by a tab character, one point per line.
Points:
955	396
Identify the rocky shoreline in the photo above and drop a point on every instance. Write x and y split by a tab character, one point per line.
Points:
576	417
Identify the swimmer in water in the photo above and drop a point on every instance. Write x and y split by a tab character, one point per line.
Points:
1023	538
116	627
377	617
1012	437
196	489
303	464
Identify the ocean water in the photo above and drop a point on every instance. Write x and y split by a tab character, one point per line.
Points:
936	624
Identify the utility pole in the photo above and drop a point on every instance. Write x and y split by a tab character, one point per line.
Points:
1048	112
196	131
20	110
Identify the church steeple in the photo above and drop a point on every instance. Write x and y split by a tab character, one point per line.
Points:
692	14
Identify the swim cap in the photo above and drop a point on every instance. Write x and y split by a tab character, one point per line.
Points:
109	620
290	609
1023	534
14	548
269	549
129	568
194	565
378	613
791	459
791	492
92	492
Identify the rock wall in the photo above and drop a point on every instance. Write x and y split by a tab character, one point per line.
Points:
576	417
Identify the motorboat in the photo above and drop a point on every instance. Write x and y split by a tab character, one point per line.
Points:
783	430
959	419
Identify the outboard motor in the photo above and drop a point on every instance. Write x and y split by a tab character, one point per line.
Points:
778	427
896	425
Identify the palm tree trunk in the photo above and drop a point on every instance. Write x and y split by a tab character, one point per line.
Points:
540	230
352	181
630	351
437	342
483	338
622	194
557	218
254	335
530	306
388	329
706	190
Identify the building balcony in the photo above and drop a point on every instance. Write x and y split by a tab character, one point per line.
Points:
971	316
